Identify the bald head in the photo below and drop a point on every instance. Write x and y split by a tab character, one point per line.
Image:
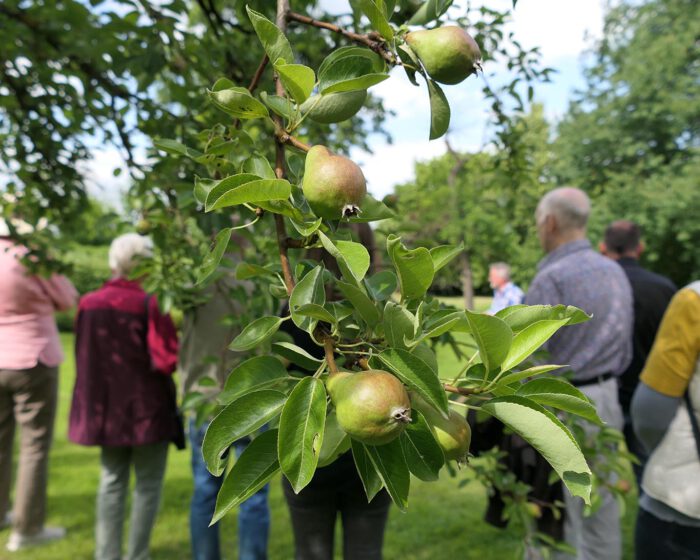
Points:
562	215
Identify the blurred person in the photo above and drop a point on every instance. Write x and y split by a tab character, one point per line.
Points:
666	414
505	292
207	331
124	399
30	353
597	351
651	294
335	489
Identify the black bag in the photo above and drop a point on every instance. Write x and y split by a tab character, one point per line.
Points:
693	419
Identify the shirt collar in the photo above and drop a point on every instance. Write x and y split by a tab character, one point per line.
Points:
564	251
124	283
628	261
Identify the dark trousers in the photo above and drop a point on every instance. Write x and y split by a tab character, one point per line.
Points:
337	488
656	539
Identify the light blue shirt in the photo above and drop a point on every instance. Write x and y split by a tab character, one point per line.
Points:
508	295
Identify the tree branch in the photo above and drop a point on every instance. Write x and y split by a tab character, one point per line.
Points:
459	390
329	348
286	138
377	46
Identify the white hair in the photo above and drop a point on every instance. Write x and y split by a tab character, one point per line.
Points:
502	268
569	206
126	250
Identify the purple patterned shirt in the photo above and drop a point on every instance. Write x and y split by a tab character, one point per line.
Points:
575	274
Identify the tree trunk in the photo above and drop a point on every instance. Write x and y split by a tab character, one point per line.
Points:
467	281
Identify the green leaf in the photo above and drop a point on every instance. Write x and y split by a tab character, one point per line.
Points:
444	254
411	63
246	188
213	258
239	419
352	258
297	79
258	165
305	229
523	316
253	374
238	103
446	324
376	16
423	454
368	474
549	436
524	374
382	285
279	105
298	356
348	74
439	111
273	40
301	432
562	395
246	271
414	268
430	11
308	290
317	312
256	333
493	338
335	441
530	339
418	375
176	148
202	188
376	63
398	325
362	304
390	464
253	469
372	210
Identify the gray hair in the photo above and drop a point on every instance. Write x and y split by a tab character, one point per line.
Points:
502	268
569	206
126	250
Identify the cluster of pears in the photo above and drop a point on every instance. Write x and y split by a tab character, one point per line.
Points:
373	407
448	54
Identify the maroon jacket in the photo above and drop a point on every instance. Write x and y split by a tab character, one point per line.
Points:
124	393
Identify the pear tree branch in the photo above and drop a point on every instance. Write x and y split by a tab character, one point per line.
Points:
329	348
459	390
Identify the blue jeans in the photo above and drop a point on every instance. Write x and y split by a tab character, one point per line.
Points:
253	514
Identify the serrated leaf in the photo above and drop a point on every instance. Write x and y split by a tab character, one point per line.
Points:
423	454
273	40
256	333
493	337
253	469
382	285
523	316
352	258
238	102
301	429
297	79
530	339
298	356
417	375
439	111
549	436
562	395
390	464
398	325
335	441
253	374
308	290
377	17
444	254
414	268
362	304
369	476
239	419
214	256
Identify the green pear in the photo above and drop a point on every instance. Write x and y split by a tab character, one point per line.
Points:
333	185
449	54
453	433
371	406
334	107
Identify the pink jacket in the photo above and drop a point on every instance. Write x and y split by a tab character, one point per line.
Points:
28	332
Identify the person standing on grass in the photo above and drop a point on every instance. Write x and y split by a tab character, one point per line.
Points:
124	398
651	293
597	351
505	292
30	353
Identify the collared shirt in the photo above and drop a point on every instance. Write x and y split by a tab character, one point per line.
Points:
28	332
575	274
507	295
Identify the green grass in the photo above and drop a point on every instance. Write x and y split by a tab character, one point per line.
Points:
443	520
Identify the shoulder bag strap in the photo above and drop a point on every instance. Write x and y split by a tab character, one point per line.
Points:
693	420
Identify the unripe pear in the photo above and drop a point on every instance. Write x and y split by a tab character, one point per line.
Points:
333	185
449	54
453	433
371	406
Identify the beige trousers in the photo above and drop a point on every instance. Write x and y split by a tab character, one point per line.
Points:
28	398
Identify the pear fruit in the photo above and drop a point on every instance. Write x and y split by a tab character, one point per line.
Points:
333	185
334	107
449	54
371	406
453	433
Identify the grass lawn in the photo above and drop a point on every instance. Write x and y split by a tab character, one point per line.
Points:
443	521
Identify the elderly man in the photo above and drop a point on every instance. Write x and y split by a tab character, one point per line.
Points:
505	292
597	351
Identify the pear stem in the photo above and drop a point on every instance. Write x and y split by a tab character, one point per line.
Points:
328	347
363	363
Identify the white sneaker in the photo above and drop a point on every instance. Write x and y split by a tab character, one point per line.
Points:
46	535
